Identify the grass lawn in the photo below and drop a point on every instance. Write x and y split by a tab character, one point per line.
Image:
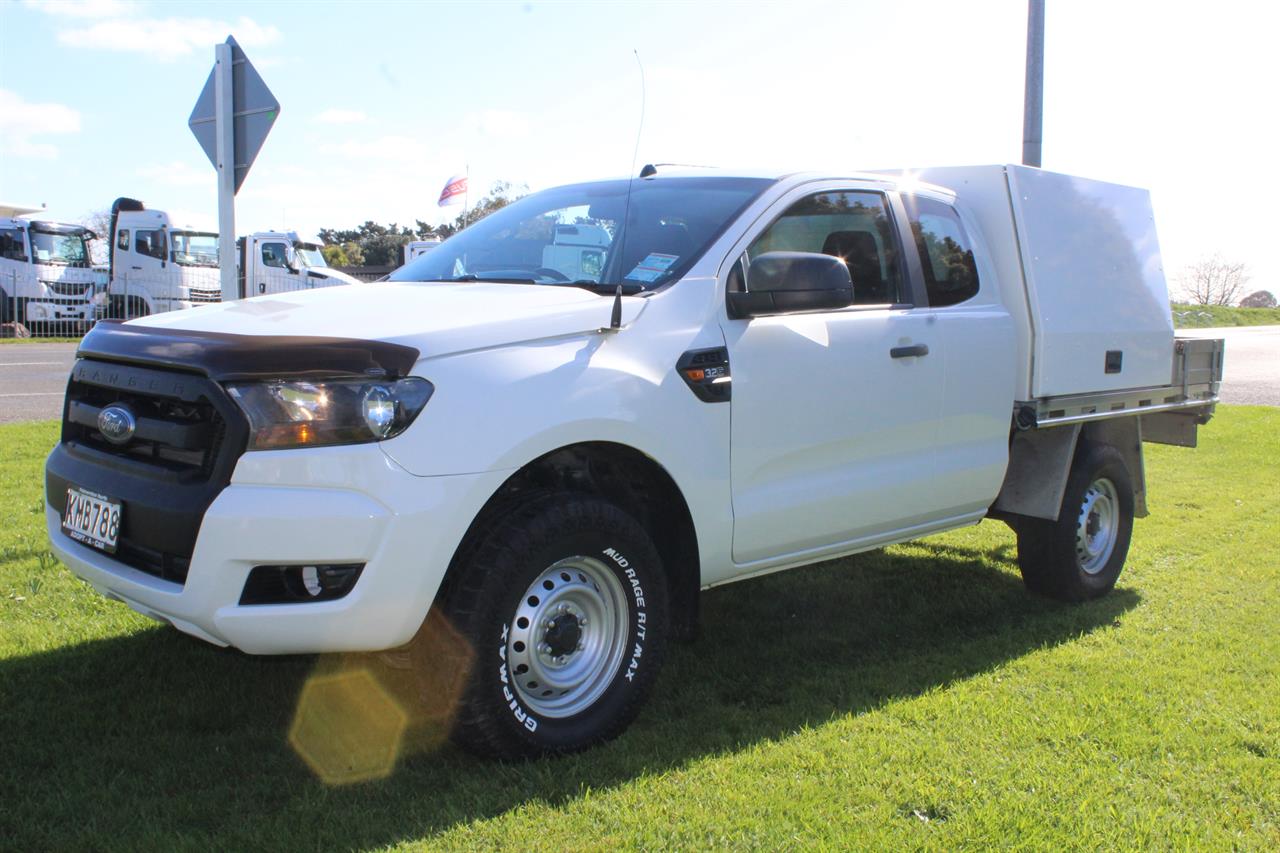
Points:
1215	316
914	697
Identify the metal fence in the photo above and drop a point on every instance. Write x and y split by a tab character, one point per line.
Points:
31	307
34	307
368	273
133	293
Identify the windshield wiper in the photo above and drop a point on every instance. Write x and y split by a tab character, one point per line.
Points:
495	279
629	288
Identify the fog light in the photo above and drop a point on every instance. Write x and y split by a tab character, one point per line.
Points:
300	584
311	581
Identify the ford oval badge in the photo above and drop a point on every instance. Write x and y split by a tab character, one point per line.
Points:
117	424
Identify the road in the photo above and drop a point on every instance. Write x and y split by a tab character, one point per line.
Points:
1251	365
34	376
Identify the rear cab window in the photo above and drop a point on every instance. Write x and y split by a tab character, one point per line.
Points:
946	253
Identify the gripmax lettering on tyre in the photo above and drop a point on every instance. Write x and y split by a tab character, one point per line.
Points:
573	595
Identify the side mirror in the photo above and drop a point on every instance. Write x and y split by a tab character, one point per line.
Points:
291	258
785	282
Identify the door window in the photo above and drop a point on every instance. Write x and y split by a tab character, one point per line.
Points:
950	273
273	255
150	243
122	240
852	226
11	244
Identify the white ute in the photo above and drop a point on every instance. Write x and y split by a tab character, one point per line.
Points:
553	430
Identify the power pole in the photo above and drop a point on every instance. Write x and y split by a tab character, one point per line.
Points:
1033	102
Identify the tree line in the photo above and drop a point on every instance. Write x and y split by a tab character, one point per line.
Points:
376	245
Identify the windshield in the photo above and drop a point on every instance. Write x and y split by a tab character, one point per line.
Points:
309	255
572	235
67	248
195	248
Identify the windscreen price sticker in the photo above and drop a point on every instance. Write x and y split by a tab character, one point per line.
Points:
652	267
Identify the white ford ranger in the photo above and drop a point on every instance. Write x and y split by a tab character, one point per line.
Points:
553	443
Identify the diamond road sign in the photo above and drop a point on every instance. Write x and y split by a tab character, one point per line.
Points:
254	107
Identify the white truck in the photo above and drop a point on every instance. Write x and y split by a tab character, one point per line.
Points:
156	266
417	248
281	262
523	471
47	281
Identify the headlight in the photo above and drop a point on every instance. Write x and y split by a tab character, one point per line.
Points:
310	414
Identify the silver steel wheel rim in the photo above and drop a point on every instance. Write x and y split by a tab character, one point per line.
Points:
1097	526
577	594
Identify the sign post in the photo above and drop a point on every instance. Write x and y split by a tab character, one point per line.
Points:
231	119
225	149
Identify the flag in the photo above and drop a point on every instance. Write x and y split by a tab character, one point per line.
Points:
453	191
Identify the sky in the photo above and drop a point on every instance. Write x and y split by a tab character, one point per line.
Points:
381	102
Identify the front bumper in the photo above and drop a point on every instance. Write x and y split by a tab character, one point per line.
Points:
298	507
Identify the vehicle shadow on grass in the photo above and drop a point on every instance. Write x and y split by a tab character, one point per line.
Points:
157	741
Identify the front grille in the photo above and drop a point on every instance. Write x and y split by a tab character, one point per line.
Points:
204	296
68	288
187	439
173	435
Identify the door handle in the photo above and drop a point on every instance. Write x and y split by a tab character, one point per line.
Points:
909	351
135	268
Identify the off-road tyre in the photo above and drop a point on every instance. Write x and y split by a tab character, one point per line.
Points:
498	584
1068	559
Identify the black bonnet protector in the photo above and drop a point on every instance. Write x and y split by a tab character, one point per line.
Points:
225	357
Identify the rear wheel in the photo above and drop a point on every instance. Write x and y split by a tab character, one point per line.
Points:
564	605
1079	556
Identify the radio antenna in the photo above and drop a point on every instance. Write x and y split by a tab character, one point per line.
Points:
635	153
615	320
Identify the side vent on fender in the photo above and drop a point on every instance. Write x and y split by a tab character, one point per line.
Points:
706	372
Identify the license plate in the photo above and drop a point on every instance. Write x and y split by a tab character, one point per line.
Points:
92	519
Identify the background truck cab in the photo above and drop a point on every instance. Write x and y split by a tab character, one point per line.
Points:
46	278
156	266
416	248
281	261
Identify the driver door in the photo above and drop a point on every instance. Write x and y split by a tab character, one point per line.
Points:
834	420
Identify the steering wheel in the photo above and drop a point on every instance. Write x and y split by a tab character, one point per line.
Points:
554	275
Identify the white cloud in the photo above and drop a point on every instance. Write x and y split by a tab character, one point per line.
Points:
386	149
84	8
21	120
179	173
167	38
341	117
504	124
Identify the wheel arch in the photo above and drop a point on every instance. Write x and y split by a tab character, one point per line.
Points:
633	480
1041	460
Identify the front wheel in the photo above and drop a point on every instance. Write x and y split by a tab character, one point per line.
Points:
1079	556
564	604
